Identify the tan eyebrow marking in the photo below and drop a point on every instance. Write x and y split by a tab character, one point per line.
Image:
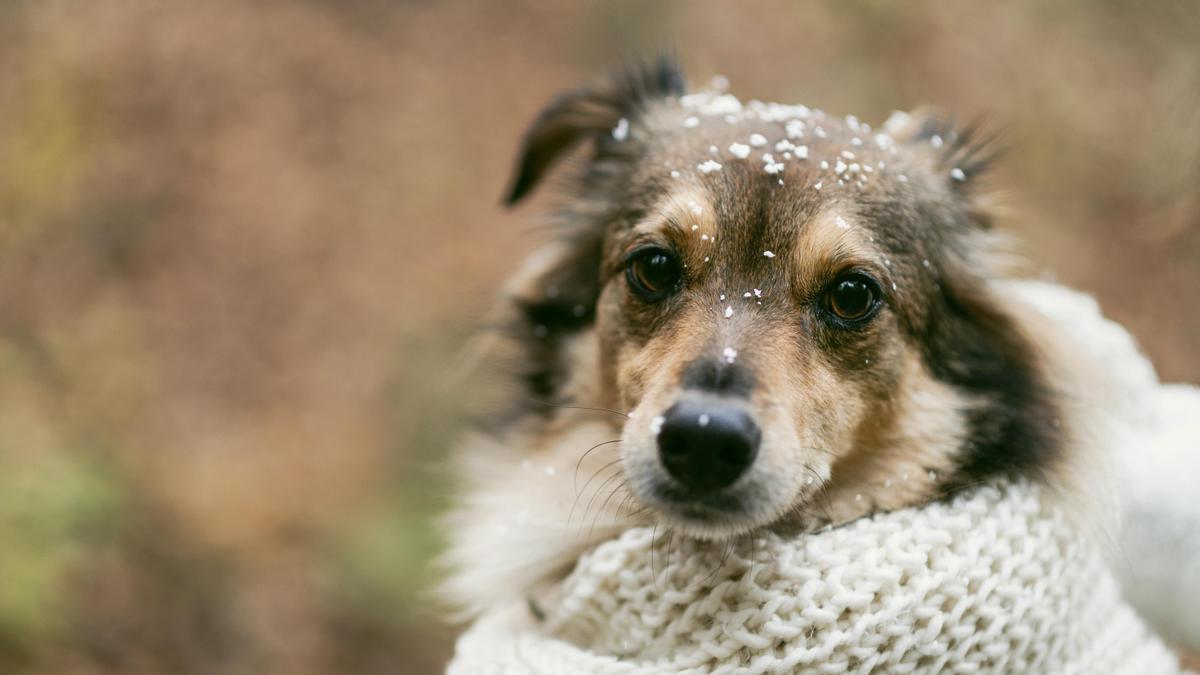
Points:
687	217
829	241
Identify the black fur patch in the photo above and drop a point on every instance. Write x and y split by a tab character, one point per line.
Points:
972	346
566	305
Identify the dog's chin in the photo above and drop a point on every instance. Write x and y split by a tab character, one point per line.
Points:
725	514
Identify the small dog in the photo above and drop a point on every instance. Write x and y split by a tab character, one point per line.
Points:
759	316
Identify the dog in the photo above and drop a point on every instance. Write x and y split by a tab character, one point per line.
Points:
756	316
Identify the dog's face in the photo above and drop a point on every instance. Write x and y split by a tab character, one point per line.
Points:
752	314
789	305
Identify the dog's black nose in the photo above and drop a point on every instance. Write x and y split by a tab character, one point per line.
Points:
707	445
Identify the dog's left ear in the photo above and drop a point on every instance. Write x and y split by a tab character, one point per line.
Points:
592	112
966	153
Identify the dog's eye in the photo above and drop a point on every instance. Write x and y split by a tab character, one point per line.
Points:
653	273
853	297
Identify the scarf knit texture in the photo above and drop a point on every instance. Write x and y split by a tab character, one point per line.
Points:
996	580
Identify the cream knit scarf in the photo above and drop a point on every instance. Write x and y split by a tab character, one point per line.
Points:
988	583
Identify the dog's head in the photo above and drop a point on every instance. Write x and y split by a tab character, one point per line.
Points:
793	307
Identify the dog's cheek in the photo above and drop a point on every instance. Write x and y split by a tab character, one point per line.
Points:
613	342
631	376
633	369
881	373
832	408
646	371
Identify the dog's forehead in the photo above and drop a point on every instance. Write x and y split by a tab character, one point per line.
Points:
768	161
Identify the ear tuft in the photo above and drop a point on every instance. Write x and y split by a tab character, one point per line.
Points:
589	112
966	153
972	150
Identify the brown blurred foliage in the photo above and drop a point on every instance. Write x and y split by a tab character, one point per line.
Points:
242	244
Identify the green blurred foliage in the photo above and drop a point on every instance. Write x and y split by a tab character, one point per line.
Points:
58	504
53	511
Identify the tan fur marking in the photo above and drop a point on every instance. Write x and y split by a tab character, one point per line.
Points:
828	243
904	447
684	217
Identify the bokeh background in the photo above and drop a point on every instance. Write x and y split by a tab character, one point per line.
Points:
242	246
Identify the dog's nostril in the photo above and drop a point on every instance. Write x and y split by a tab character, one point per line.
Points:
707	446
733	455
675	452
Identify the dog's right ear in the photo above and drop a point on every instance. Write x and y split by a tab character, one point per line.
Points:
590	113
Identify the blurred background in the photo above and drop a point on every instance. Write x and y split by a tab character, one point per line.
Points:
243	243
